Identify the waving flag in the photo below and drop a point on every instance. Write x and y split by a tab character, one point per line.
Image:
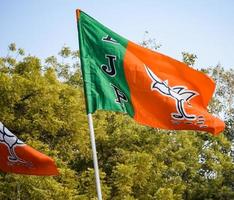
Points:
17	157
152	88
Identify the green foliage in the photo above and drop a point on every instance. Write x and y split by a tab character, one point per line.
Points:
65	52
67	67
12	47
47	111
225	82
21	52
189	58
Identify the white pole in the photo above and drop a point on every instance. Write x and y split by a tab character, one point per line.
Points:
95	161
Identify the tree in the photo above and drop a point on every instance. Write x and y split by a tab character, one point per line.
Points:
47	111
47	115
189	58
223	102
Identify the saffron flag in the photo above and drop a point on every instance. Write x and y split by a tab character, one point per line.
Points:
152	88
17	157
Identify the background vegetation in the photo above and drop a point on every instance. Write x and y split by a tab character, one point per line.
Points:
42	102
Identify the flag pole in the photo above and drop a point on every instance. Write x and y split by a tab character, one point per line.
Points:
95	161
92	135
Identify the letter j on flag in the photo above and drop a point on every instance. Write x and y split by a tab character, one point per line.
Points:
154	89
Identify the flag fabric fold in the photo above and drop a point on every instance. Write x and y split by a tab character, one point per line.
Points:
17	157
152	88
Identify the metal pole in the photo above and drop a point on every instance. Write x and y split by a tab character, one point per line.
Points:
95	161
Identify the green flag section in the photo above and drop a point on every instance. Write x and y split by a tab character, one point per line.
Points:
102	57
152	88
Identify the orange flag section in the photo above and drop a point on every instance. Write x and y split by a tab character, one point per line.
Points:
168	94
31	162
17	157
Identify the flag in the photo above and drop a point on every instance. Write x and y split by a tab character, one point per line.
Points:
154	89
17	157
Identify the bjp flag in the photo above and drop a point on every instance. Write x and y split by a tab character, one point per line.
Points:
17	157
154	89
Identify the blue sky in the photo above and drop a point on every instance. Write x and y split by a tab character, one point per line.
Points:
203	27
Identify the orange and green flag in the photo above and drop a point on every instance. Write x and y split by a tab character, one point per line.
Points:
17	157
152	88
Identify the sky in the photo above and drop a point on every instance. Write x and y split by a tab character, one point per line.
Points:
202	27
